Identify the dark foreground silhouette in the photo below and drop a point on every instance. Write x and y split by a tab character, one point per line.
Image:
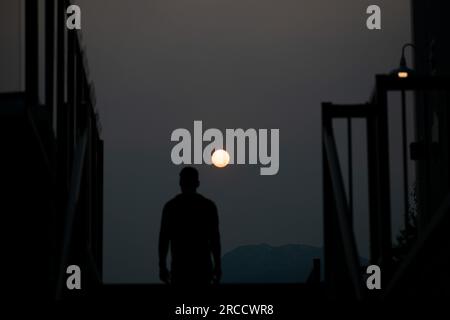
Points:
190	225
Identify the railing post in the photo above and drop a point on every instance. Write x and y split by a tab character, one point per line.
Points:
384	213
375	248
49	54
405	162
71	87
31	52
333	255
350	166
328	206
61	105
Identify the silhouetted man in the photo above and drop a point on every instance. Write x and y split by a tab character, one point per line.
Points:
191	225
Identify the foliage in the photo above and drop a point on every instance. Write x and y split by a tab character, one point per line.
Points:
408	235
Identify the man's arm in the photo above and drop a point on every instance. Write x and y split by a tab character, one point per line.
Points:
163	246
215	245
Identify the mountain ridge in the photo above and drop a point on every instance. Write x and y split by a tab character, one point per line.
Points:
264	263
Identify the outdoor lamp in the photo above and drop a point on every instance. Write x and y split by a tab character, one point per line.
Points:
403	71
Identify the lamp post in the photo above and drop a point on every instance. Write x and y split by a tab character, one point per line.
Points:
404	72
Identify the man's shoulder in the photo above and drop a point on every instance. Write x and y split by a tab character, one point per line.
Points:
172	202
206	200
180	199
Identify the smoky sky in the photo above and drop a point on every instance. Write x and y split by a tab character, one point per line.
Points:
158	65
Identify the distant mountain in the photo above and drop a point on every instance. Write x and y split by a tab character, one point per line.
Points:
266	264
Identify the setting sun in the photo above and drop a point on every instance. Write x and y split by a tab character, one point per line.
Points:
220	158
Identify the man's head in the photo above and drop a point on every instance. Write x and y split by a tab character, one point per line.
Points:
189	180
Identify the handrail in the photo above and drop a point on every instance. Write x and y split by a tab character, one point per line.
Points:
74	191
343	213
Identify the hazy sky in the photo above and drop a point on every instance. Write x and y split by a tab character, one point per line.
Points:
159	65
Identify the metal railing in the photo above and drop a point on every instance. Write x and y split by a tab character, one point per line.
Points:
77	156
342	273
343	213
342	260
